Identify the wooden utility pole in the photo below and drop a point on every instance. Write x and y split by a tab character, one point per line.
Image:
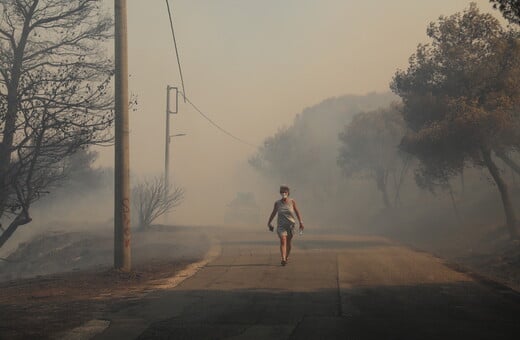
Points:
122	170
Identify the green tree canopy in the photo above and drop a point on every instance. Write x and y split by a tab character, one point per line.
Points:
461	95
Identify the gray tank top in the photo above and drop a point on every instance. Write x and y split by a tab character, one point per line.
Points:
286	214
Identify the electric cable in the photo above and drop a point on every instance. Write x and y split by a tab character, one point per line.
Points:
176	49
183	92
216	125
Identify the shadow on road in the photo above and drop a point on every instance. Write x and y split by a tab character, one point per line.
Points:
463	310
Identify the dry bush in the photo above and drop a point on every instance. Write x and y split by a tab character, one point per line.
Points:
152	198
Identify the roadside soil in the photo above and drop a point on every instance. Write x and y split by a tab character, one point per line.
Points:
46	305
485	250
501	264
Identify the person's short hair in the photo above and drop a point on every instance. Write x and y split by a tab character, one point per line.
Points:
284	188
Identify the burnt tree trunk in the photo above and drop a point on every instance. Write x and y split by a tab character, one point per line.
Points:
21	219
504	192
11	113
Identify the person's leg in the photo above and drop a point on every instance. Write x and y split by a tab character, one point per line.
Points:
283	247
288	246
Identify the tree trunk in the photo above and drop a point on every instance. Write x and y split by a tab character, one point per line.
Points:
454	203
402	176
504	193
12	106
512	164
381	185
6	148
462	183
21	219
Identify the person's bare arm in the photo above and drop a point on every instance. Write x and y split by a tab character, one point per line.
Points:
300	220
269	225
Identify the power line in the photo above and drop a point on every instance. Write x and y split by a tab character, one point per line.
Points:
216	125
183	92
176	49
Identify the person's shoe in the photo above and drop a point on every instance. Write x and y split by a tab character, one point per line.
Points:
284	262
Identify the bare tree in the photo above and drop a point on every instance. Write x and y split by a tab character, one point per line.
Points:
152	198
54	77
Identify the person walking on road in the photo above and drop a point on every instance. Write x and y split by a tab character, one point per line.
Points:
287	213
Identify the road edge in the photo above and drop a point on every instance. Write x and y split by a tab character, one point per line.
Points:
500	287
95	327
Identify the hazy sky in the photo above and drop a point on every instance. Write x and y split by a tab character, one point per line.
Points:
252	65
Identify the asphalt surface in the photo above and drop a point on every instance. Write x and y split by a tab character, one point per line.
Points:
334	287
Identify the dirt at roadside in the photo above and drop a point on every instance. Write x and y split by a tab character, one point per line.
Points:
486	250
46	305
501	265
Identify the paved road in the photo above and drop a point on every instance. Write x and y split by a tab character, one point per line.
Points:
334	287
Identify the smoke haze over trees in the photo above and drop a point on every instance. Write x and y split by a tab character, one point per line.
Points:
461	94
458	117
304	155
370	149
53	96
